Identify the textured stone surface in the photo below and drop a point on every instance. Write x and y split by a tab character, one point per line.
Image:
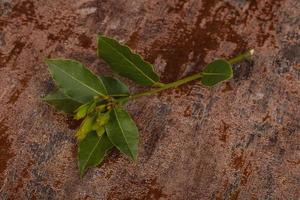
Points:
239	140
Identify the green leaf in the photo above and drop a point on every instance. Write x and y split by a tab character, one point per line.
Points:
92	150
216	72
61	101
114	87
122	132
75	80
123	61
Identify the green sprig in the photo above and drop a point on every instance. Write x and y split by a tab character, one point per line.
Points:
99	100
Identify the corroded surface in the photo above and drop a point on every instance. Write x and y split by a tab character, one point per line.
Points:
239	140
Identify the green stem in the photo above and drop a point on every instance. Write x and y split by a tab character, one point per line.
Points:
180	82
241	57
164	87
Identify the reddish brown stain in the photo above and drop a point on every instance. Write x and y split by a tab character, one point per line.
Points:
265	118
13	54
25	12
220	193
266	20
235	195
224	132
227	87
62	35
18	91
246	173
14	97
188	111
5	153
238	161
154	191
24	9
84	41
297	162
177	7
133	40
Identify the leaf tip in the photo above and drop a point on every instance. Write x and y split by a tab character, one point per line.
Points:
134	158
81	174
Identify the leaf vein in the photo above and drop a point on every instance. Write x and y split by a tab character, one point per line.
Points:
123	132
80	82
94	148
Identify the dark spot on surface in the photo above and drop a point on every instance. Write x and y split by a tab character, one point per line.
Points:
72	123
250	139
14	96
84	41
281	154
273	139
266	117
281	66
243	70
2	39
292	53
227	87
62	35
293	127
223	132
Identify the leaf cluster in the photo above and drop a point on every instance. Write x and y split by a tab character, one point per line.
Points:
98	100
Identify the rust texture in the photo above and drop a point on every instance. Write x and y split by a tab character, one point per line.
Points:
239	140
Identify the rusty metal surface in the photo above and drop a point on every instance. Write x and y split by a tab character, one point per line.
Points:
239	140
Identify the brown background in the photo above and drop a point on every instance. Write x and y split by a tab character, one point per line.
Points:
239	140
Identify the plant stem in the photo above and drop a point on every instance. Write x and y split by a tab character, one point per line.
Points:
180	82
164	87
241	57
